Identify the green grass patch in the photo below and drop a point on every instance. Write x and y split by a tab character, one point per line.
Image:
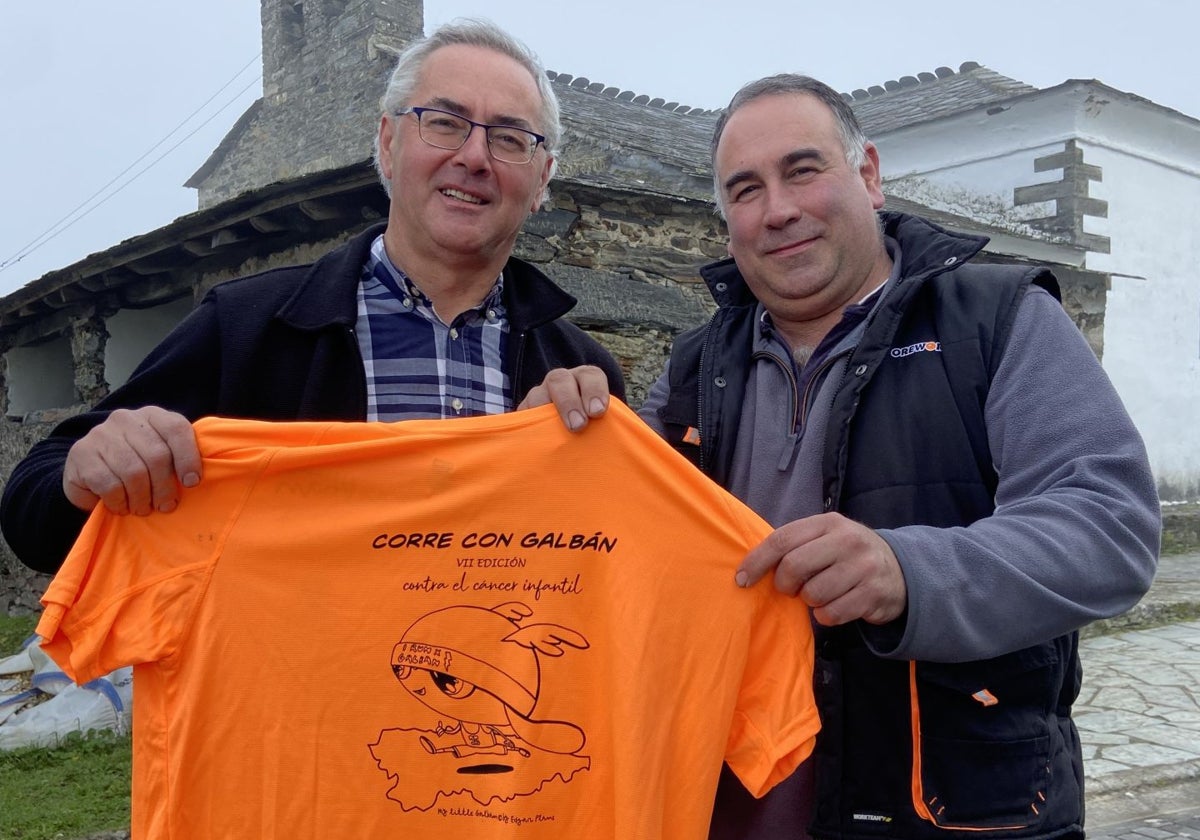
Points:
76	789
73	790
1181	529
15	629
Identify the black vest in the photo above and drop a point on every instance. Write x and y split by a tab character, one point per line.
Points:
912	749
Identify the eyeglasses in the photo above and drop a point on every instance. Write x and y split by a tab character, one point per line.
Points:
446	130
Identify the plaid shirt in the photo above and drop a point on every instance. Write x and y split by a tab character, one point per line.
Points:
418	367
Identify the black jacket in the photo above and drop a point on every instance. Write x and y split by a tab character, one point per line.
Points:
275	346
910	749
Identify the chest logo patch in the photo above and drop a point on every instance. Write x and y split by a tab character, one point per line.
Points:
919	347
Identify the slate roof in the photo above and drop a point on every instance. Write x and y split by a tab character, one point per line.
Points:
930	96
620	140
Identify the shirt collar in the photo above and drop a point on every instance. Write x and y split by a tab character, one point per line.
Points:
492	301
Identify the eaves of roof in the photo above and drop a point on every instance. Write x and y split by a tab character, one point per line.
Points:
149	269
1024	245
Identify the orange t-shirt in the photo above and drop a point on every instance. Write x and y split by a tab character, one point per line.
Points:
486	627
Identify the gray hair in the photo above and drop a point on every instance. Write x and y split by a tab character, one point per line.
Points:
470	32
854	140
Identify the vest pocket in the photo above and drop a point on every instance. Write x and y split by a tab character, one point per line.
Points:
981	741
984	784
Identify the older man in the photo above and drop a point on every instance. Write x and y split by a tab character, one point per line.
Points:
429	317
955	485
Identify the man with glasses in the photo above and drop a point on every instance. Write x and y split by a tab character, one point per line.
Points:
428	317
448	130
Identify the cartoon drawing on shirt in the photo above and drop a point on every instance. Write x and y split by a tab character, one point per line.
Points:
482	669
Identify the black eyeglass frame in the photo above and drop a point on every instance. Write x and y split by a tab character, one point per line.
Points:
418	112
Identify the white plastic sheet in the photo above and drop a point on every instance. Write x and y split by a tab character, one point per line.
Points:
103	703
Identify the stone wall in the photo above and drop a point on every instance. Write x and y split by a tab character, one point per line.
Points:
324	66
632	262
20	588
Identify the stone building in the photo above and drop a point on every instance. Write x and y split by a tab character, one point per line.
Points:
629	222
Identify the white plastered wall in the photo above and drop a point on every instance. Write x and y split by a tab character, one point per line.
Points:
1150	161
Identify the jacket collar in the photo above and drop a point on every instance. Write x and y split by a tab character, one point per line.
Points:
927	249
327	294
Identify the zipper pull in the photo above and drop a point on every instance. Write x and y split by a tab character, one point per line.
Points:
789	452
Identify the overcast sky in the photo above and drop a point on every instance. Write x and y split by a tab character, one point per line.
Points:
107	108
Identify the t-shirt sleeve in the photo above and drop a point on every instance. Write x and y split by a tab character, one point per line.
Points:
127	591
775	721
123	596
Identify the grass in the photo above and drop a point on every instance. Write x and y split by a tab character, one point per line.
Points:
13	631
73	790
1181	529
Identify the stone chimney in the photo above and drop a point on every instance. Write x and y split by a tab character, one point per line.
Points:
325	63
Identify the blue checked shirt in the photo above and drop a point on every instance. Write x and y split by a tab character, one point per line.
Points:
418	367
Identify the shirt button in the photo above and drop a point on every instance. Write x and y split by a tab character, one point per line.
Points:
456	404
453	333
408	303
491	316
